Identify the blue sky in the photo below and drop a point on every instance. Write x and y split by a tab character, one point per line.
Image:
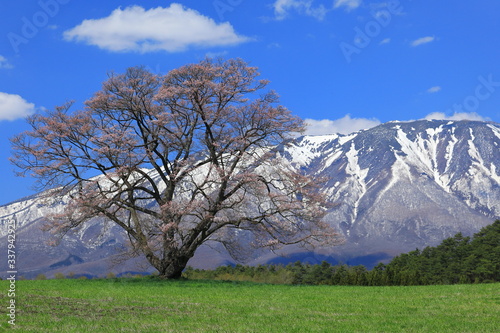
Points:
343	65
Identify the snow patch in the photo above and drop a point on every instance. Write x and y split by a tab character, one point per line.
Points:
399	171
310	148
347	138
422	153
478	164
495	130
331	159
359	175
318	140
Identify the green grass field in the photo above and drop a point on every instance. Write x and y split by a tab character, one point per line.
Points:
147	305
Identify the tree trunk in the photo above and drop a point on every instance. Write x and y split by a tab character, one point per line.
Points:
171	268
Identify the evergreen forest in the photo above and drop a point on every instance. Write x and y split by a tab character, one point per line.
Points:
457	260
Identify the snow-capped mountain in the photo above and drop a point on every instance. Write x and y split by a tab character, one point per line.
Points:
408	183
397	186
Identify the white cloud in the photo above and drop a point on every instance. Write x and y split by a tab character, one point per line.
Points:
172	29
423	40
348	4
348	125
385	41
456	116
433	90
13	107
344	125
304	7
4	63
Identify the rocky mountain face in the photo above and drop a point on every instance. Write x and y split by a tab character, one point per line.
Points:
403	185
396	187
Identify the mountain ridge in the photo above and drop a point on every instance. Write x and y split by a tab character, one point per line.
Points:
420	156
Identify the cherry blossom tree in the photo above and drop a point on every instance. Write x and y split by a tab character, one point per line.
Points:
177	160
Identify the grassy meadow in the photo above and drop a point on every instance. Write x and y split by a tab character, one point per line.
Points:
149	305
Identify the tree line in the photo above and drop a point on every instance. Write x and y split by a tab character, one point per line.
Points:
457	259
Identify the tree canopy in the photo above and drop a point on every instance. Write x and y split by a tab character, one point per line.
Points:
177	160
